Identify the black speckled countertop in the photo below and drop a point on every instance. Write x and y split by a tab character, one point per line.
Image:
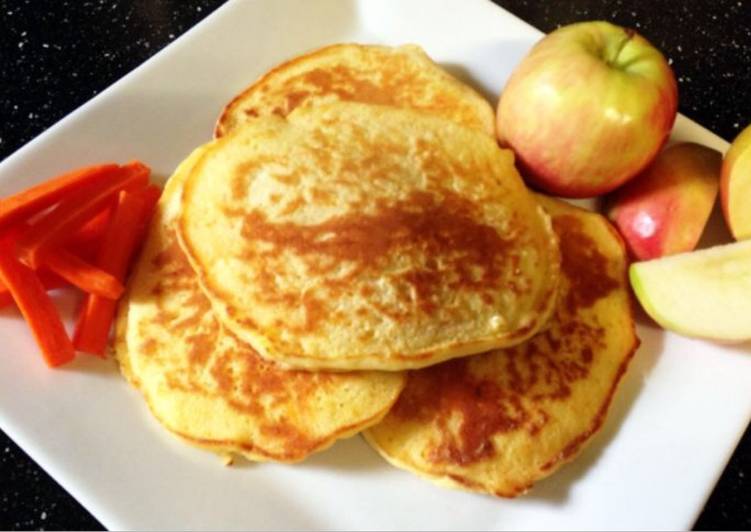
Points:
54	56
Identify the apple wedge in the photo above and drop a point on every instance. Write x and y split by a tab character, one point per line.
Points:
704	293
735	186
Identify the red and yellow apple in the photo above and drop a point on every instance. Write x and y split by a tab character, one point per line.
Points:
735	186
587	109
664	209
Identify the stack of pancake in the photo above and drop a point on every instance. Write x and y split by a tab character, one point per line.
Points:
354	252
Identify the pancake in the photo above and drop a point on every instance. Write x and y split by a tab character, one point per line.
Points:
500	421
215	392
403	77
354	236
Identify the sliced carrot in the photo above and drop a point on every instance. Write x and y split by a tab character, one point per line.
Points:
94	324
150	197
18	207
49	280
80	273
125	231
123	236
93	230
35	305
86	239
57	226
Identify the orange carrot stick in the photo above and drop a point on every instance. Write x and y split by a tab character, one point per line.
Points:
123	236
58	225
49	280
20	206
35	305
150	195
86	239
92	230
79	273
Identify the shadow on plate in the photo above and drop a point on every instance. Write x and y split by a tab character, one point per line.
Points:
92	365
487	66
464	74
351	454
716	232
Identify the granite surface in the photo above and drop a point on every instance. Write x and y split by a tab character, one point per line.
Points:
54	56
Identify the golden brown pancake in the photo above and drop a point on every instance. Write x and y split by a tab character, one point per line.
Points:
213	391
403	77
500	421
356	236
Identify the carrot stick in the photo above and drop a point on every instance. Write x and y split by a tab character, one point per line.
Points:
49	280
35	305
150	195
79	273
86	239
93	230
57	226
124	233
93	325
20	206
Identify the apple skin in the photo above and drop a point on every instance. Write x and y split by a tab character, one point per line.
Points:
735	186
663	210
587	109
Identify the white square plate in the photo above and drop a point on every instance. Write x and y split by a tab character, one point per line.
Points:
676	420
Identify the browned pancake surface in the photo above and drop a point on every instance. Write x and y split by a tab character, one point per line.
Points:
214	391
499	421
402	77
355	236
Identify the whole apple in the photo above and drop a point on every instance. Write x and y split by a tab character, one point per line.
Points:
735	186
663	210
587	109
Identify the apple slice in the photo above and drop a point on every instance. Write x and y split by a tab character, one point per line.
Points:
735	186
704	293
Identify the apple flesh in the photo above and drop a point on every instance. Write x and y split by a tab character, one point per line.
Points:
587	109
663	211
704	293
735	186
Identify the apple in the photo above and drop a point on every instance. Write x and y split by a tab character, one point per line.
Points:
663	210
587	109
735	186
704	293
